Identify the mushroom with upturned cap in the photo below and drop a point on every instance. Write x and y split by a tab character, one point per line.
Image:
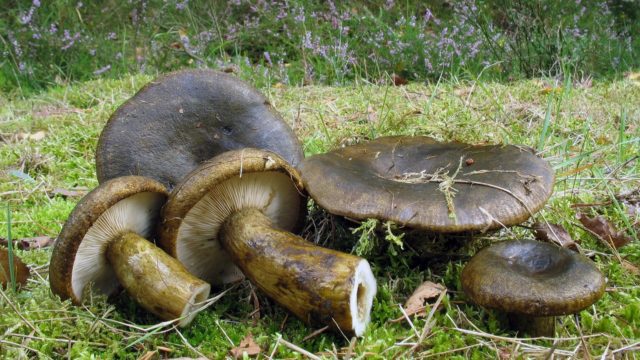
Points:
184	118
239	208
103	245
428	185
532	281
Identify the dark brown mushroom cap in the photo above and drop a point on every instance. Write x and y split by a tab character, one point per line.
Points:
184	118
404	179
21	270
532	278
142	197
199	205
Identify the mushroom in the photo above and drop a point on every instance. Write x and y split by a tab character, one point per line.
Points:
239	208
532	282
20	270
184	118
428	185
102	245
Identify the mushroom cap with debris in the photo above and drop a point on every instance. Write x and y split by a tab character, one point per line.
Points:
429	185
532	278
184	118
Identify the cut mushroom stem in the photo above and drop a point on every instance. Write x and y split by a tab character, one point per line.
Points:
533	325
155	280
239	208
316	284
103	246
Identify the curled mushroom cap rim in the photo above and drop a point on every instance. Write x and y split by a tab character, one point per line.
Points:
64	257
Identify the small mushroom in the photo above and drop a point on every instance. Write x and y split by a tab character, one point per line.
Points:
102	245
424	184
532	282
20	270
239	208
184	118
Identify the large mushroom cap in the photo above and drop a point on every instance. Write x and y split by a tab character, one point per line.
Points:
184	118
206	197
532	278
130	203
428	185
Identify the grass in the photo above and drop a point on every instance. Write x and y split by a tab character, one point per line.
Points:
590	134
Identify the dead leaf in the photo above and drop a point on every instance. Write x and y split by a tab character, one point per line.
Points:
630	267
247	345
149	355
21	270
633	76
64	193
398	80
462	92
602	228
37	242
37	136
415	305
554	233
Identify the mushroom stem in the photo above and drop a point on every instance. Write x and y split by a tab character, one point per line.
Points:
155	280
533	325
318	285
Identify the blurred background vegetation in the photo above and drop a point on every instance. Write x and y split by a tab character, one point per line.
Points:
296	42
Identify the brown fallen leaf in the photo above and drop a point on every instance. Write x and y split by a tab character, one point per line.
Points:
398	80
554	233
37	136
247	345
462	92
604	230
20	269
67	193
415	305
149	355
37	242
32	243
633	76
630	267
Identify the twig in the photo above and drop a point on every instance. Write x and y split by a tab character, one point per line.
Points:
298	349
315	333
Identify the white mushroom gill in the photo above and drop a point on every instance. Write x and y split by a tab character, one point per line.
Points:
137	213
197	243
361	299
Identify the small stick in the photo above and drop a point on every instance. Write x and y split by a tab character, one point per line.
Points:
298	349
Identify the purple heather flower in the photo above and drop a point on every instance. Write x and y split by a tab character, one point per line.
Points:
267	57
182	5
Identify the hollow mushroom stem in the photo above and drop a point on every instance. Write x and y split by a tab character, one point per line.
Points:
155	280
533	325
318	285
